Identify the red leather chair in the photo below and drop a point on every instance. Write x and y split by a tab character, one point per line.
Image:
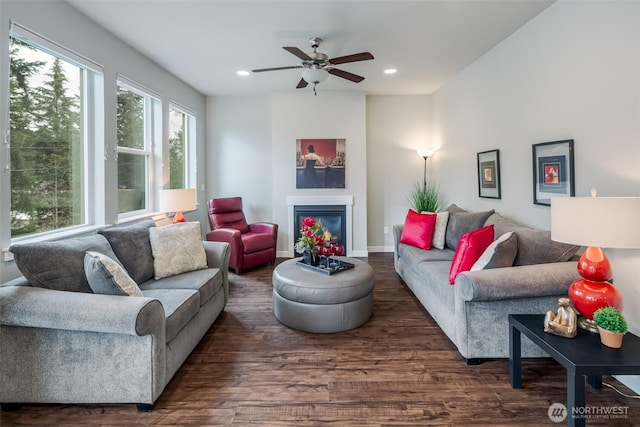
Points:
251	244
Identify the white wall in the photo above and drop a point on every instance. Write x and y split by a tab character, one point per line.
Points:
251	152
397	126
61	23
571	72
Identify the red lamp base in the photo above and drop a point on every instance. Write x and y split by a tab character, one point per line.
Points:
587	297
179	217
594	291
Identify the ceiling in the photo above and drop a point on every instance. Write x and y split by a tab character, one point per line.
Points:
204	42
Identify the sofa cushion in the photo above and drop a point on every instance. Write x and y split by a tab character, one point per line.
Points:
461	222
177	248
59	265
105	276
207	282
132	247
440	230
469	249
534	246
500	253
180	306
418	229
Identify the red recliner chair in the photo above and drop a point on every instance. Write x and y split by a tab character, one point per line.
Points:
251	244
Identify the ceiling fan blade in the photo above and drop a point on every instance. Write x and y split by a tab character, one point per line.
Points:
301	84
276	68
363	56
346	75
297	52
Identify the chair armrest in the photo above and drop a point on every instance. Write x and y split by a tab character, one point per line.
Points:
76	311
264	227
234	238
516	282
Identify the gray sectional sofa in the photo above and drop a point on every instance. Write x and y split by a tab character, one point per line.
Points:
473	311
75	346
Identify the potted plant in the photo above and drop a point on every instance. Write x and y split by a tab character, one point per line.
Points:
611	325
425	197
311	236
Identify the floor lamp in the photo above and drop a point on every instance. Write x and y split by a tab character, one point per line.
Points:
595	222
178	201
425	154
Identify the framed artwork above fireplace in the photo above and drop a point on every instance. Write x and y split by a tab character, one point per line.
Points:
320	163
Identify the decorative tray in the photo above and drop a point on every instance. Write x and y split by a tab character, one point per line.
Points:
328	265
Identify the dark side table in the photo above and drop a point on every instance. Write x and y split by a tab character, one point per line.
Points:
581	356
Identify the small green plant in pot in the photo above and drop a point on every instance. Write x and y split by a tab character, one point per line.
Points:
425	197
611	325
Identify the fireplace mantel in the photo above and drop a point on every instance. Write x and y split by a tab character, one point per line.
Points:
346	200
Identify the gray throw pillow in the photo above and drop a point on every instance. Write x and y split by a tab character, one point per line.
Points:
534	246
105	276
59	265
461	222
499	254
132	247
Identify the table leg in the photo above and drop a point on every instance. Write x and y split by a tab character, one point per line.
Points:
575	399
595	381
515	357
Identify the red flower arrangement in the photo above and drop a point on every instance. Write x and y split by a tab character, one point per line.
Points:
310	235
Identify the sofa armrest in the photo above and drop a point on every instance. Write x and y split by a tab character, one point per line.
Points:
218	256
516	282
33	307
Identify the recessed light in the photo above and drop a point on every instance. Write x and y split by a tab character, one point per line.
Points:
242	73
390	71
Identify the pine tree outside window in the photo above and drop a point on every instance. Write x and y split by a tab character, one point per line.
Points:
47	101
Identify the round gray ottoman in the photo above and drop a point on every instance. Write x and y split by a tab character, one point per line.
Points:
311	301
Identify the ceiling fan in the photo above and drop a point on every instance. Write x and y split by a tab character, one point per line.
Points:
317	66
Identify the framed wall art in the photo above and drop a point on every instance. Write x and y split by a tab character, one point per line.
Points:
553	172
489	174
320	163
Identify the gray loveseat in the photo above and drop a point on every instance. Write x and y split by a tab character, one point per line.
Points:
473	311
75	346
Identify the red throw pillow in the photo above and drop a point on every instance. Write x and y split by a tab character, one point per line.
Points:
418	229
470	246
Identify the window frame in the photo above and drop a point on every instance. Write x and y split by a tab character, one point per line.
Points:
92	129
190	132
152	143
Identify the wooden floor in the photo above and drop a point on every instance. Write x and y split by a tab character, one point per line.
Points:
397	369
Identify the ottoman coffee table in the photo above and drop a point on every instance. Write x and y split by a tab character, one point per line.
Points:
310	301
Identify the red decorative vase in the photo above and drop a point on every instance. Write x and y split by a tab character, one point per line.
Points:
593	265
587	296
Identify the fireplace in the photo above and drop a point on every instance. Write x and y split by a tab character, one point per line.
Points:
329	202
333	218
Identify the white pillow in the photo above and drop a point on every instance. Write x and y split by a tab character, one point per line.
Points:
177	248
441	228
106	276
501	253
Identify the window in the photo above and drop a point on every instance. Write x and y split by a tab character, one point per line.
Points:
49	101
181	148
136	132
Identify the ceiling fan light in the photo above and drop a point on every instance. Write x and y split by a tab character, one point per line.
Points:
314	75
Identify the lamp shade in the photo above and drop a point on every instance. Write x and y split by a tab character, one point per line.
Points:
606	222
425	153
314	74
178	200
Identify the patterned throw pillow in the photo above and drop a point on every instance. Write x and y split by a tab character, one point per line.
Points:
440	231
418	229
177	248
105	276
469	249
500	253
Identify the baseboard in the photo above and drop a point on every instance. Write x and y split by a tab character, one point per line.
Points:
380	248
